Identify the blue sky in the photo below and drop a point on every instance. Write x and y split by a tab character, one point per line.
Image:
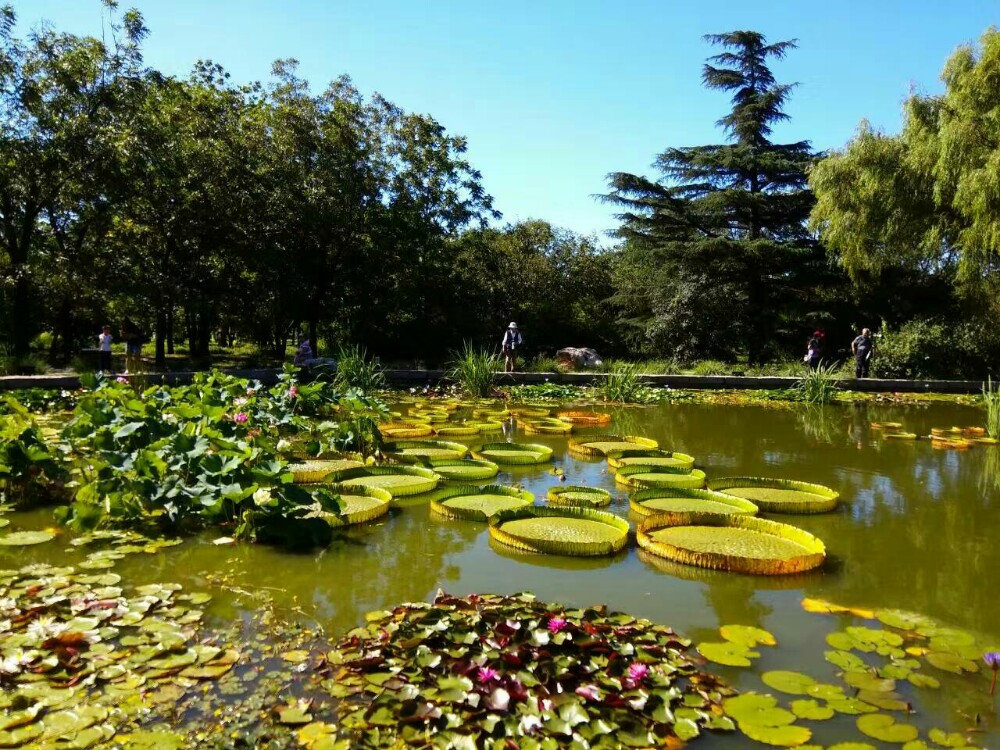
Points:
553	95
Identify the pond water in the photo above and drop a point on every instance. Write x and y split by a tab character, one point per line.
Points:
917	530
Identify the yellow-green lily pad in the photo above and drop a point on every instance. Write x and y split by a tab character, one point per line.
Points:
951	662
885	728
747	635
759	710
728	653
869	681
782	736
811	709
25	538
946	739
793	683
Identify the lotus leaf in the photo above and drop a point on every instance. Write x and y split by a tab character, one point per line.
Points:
731	542
587	497
884	728
728	653
468	470
779	495
606	445
650	502
565	531
644	477
26	538
747	635
478	503
794	683
516	454
812	710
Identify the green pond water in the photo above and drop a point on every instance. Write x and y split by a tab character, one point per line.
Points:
917	530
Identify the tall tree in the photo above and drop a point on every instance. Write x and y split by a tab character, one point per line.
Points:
718	259
924	202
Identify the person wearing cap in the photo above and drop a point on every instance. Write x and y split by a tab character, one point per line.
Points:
511	340
863	348
104	349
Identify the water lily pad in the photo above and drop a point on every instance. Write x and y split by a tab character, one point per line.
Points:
869	681
655	500
885	728
851	706
793	683
648	477
747	635
514	454
561	531
779	495
466	470
947	739
728	653
757	709
811	709
608	445
478	503
26	538
846	660
901	619
574	495
782	736
951	662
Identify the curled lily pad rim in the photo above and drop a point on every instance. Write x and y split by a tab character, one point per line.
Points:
638	499
454	450
530	453
555	495
586	445
439	504
363	515
405	429
616	460
560	547
431	478
659	476
815	550
826	498
487	469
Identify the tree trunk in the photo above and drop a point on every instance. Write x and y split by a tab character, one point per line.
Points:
169	326
66	330
161	339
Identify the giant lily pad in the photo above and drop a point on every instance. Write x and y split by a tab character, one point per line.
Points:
779	495
358	504
669	459
399	481
478	503
643	477
731	542
649	502
560	531
607	445
573	495
426	449
465	470
316	471
513	454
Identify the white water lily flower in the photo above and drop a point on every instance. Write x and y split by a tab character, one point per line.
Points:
262	498
8	604
46	627
10	665
4	626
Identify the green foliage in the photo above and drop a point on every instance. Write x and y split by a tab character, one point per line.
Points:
991	399
622	384
924	348
356	370
819	386
717	259
711	367
32	469
475	370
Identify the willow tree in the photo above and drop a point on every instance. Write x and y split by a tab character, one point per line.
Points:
924	200
718	258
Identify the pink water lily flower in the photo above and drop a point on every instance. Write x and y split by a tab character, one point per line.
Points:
556	624
487	674
293	392
241	417
637	672
589	692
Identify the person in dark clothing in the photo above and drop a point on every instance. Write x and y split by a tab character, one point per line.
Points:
814	350
863	348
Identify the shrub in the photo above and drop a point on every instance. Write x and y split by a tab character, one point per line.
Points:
927	348
819	386
622	384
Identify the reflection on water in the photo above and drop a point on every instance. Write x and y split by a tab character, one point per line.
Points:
916	531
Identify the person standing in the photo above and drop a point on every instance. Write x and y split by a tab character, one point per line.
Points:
814	350
863	348
104	349
511	340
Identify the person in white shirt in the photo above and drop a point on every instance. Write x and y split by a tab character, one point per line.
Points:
511	340
104	349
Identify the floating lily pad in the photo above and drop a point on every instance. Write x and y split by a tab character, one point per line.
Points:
793	683
783	736
728	653
478	503
812	710
316	471
951	662
649	502
467	470
560	531
644	477
430	449
574	495
884	728
779	495
758	709
399	481
513	454
748	635
668	459
26	538
607	445
731	542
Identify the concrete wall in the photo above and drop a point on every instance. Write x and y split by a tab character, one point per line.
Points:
418	378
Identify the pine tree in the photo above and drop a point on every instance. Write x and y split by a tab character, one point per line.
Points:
718	260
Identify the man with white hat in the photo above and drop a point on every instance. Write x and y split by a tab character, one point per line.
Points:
511	340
